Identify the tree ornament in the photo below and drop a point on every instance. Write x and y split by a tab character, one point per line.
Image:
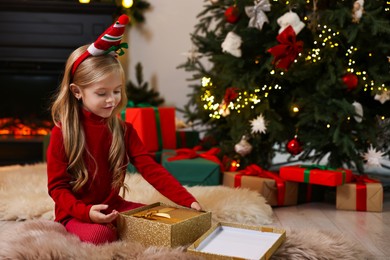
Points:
232	14
290	18
351	81
243	147
259	124
232	44
257	15
383	96
286	52
373	158
214	2
357	10
359	111
294	146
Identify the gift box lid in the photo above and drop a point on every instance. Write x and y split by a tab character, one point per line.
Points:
238	241
149	225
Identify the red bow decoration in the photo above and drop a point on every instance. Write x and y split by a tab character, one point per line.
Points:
230	94
288	49
186	153
254	170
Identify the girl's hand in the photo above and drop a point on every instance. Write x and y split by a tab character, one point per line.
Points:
98	217
196	205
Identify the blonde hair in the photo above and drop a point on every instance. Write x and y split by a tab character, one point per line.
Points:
65	112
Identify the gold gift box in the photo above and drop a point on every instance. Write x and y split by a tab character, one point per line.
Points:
151	226
236	241
266	187
346	197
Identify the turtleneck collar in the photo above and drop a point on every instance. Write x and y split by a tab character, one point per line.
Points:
91	118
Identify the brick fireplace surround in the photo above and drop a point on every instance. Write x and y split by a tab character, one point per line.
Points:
36	38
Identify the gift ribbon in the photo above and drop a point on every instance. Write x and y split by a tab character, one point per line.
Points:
160	214
187	153
255	170
131	104
361	191
308	168
288	49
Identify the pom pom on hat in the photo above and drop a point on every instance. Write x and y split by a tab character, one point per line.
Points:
108	42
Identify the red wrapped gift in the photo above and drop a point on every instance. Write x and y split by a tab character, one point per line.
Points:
155	126
364	194
275	190
316	174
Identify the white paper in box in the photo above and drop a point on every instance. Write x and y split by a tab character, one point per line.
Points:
236	241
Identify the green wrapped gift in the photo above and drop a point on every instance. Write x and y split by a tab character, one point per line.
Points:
191	172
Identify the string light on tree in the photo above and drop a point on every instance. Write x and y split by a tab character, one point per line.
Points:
244	99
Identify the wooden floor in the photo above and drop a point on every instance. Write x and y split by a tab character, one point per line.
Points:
370	229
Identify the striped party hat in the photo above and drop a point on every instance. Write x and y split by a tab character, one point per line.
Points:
108	42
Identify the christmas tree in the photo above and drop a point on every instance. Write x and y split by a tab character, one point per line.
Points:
139	93
309	78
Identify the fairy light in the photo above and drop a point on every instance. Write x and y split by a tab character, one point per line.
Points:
244	100
127	3
369	84
325	38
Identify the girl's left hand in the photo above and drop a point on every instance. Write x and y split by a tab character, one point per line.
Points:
195	205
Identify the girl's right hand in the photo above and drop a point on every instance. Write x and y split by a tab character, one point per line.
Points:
98	217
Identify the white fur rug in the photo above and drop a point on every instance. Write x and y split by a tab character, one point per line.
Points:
23	196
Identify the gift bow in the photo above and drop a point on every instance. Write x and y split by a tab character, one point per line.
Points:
257	15
255	170
288	49
186	153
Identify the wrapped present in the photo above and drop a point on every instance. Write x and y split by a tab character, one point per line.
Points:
364	194
187	139
161	225
316	174
276	191
237	241
308	192
155	126
192	167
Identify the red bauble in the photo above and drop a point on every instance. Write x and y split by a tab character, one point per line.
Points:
232	14
294	146
351	81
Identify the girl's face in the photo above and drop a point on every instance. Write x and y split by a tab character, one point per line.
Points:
101	97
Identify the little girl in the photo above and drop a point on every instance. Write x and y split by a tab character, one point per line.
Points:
90	147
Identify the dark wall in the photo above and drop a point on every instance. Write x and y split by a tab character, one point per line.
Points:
36	37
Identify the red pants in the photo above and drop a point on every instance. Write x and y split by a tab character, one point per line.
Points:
98	233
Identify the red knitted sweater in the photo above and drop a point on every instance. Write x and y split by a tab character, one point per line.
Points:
98	189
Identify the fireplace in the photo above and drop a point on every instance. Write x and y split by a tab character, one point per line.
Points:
36	38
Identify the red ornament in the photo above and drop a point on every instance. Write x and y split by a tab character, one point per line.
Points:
232	14
351	81
294	146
